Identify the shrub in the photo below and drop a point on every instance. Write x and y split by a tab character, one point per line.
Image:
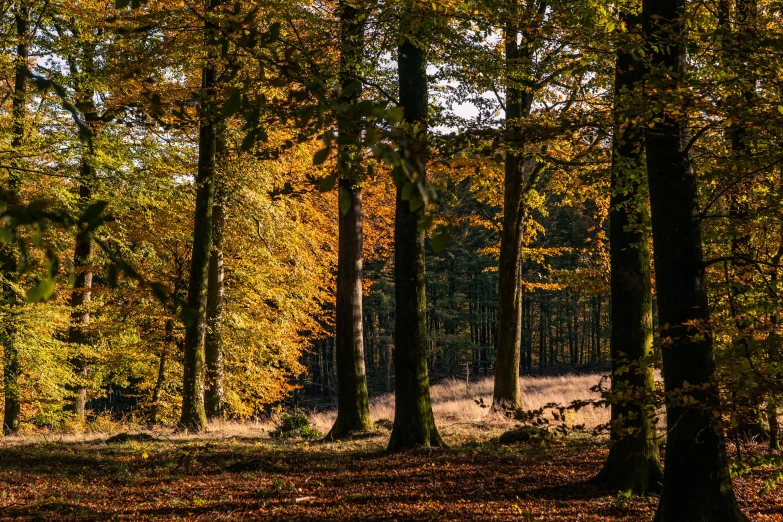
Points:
294	424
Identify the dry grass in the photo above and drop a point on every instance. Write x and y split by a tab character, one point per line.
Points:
462	408
462	411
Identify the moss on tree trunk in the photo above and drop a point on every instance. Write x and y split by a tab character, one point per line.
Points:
12	370
414	423
353	407
633	463
194	416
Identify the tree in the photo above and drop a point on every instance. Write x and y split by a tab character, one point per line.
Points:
214	394
520	178
82	65
414	423
633	463
194	416
10	267
697	483
353	411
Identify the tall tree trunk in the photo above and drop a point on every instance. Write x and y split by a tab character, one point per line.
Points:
194	416
78	332
519	100
353	410
414	423
697	483
214	395
10	266
633	463
738	52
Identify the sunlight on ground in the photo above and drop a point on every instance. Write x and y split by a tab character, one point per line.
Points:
462	410
462	407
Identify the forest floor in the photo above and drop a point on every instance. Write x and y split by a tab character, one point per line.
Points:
237	472
251	479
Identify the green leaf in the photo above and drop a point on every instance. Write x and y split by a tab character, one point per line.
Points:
188	315
351	88
363	108
6	236
92	212
345	201
248	141
780	109
441	238
320	156
395	115
92	215
327	183
43	291
274	31
232	104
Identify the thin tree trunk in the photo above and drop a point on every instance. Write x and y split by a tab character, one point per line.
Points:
633	463
214	394
697	482
774	426
78	332
414	423
353	410
194	416
161	380
541	335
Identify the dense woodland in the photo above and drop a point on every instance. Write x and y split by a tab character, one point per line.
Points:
213	210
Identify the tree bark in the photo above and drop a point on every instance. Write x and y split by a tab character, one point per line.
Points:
353	410
519	101
161	380
414	423
697	483
194	416
774	426
78	332
633	463
10	266
214	395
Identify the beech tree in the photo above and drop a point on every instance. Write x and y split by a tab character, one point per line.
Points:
414	423
697	483
633	463
194	417
12	296
353	410
214	394
520	178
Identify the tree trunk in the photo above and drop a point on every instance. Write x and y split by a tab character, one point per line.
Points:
414	423
214	395
633	463
194	416
161	380
774	427
697	482
81	296
78	332
353	410
519	100
13	299
541	335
